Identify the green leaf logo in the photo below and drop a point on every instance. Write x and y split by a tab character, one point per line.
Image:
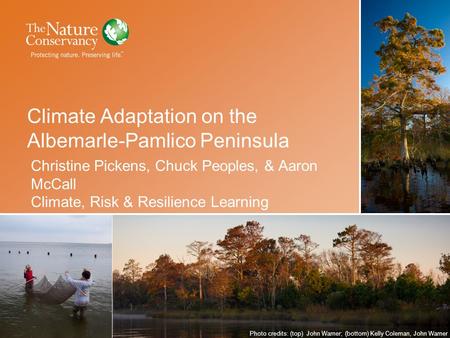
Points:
115	32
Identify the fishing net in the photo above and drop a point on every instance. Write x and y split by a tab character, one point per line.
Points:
53	293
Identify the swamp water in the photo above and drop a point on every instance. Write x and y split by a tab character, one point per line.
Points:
406	191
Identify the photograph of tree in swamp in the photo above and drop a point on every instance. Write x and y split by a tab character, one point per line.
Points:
405	107
186	275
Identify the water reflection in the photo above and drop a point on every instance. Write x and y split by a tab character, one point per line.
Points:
406	191
179	328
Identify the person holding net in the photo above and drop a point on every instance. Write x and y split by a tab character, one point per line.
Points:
82	292
29	278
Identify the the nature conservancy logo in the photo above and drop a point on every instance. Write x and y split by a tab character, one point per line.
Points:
56	33
115	31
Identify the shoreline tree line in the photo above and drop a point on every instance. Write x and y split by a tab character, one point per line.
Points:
246	270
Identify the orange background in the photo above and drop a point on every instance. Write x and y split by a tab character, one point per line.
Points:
295	63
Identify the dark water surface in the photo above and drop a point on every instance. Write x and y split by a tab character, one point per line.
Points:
179	328
23	316
406	191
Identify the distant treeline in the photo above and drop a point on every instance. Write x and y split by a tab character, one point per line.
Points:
246	270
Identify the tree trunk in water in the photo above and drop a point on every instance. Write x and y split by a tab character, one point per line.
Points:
405	190
404	153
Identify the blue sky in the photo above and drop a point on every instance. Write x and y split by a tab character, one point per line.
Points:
56	228
414	238
429	13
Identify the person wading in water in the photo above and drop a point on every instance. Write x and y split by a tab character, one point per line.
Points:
82	294
29	278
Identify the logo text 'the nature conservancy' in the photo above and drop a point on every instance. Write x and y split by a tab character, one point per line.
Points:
58	34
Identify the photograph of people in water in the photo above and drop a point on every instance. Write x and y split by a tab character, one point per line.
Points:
405	106
55	276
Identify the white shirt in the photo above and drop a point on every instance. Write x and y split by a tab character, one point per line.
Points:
82	286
